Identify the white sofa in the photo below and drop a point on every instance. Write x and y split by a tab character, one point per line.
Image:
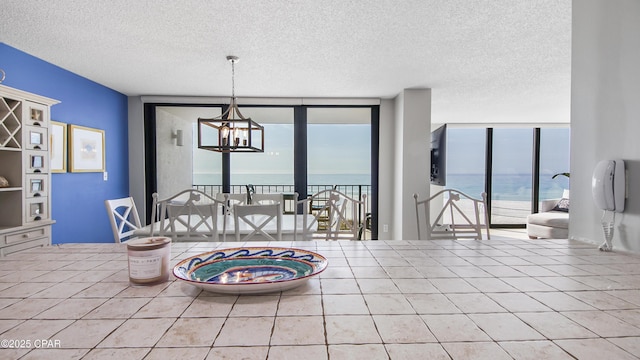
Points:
548	223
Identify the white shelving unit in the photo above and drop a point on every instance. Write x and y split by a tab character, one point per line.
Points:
25	219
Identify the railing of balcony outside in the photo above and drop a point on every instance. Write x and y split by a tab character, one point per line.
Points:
353	191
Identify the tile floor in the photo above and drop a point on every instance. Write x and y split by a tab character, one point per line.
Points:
497	299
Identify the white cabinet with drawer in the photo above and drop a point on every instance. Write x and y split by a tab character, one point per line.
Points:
25	237
25	219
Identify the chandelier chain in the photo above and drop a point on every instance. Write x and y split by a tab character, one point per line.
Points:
233	79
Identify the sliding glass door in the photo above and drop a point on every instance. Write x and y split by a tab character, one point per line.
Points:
307	149
554	159
514	166
511	176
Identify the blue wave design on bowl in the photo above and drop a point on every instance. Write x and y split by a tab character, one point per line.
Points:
250	270
305	263
246	252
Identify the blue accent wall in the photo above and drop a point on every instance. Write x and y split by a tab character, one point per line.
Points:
77	199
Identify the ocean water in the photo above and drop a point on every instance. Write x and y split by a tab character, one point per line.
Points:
508	186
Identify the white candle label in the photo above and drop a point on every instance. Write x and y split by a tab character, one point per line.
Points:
146	267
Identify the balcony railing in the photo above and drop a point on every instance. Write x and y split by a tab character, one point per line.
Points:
353	191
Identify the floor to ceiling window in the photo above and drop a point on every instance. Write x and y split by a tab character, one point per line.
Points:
339	153
306	149
508	177
554	159
511	175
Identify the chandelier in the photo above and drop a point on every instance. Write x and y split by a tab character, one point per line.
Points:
231	131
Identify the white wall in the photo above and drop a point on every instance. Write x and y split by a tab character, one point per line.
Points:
412	160
605	112
175	171
396	224
136	155
386	181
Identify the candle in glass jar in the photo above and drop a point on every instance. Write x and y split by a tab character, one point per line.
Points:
149	260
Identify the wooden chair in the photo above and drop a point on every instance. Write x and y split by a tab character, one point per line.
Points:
189	215
123	217
317	206
339	219
257	217
461	216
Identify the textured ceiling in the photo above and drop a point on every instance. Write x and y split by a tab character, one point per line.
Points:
486	60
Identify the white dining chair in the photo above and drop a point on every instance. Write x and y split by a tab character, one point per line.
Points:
265	199
189	215
457	216
339	218
124	219
231	200
257	218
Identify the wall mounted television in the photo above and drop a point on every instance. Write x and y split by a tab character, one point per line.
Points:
438	173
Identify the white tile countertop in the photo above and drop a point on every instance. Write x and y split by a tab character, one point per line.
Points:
490	299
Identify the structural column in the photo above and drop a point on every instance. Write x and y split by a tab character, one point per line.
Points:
412	158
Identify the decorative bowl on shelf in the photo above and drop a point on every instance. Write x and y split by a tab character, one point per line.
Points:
250	270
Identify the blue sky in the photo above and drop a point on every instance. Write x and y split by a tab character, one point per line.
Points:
512	150
332	149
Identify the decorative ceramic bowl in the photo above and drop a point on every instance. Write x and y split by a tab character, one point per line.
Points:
250	270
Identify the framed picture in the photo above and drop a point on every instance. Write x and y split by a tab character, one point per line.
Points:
58	147
86	149
36	162
36	185
36	114
35	209
36	138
